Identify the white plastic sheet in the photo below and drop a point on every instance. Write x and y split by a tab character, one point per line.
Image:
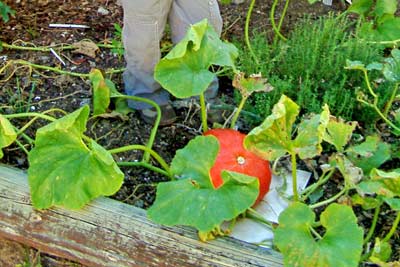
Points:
269	208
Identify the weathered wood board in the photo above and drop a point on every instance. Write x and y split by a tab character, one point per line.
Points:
111	233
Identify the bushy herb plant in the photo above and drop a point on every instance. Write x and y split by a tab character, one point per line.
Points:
309	68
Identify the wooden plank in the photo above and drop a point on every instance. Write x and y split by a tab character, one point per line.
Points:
110	233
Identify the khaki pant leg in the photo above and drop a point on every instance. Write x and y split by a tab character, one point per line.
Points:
144	23
186	12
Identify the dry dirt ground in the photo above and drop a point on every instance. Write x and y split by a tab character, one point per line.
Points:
24	88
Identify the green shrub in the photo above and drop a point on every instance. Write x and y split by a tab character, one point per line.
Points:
309	68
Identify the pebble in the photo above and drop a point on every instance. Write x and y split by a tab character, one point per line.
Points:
85	101
102	11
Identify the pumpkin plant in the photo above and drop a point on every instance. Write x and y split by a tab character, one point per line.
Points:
390	70
186	71
379	20
278	136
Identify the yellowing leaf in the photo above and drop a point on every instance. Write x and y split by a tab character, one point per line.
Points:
7	134
101	91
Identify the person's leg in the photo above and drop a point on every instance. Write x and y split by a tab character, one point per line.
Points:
144	23
186	12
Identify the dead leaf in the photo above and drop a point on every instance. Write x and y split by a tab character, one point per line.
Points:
85	47
114	114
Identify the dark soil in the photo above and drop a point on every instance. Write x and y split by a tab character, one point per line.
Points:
26	89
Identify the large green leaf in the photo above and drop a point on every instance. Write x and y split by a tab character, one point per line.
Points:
370	154
64	171
340	246
383	7
192	199
7	134
184	72
272	139
389	30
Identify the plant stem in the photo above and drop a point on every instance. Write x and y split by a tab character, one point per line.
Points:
237	112
253	214
143	164
246	31
29	114
154	154
323	179
390	43
294	176
48	48
373	225
315	233
329	200
285	8
391	99
203	112
386	119
371	232
272	19
150	142
375	104
37	48
22	147
57	70
233	108
366	78
393	229
20	131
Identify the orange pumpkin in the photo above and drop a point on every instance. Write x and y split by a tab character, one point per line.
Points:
232	156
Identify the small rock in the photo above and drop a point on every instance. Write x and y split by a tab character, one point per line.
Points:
85	101
102	11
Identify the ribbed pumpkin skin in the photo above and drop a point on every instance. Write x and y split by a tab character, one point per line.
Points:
232	156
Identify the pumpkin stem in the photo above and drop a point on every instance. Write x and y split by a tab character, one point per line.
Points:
294	177
241	160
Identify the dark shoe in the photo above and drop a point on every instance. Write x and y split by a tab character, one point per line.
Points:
168	115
